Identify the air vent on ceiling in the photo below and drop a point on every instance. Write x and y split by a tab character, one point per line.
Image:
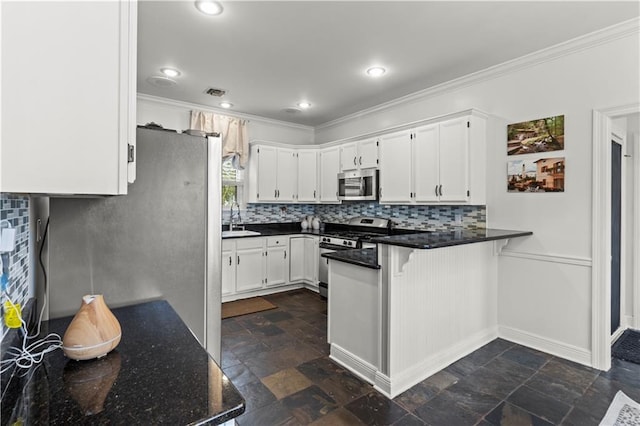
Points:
215	92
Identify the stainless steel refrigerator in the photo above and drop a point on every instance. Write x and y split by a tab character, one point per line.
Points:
161	241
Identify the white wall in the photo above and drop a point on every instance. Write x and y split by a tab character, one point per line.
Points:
633	132
544	292
176	115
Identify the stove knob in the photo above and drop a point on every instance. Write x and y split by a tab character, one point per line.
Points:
350	243
344	242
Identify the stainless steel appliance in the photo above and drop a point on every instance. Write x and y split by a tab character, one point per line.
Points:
358	185
161	241
353	235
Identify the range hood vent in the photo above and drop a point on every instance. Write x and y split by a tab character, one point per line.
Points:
215	92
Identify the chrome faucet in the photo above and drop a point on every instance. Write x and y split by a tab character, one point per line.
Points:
231	216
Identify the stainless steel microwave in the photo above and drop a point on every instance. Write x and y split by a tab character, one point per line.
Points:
358	185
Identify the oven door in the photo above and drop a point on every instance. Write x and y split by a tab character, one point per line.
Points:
323	266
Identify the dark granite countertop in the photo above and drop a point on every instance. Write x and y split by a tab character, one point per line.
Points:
273	229
158	374
367	258
431	240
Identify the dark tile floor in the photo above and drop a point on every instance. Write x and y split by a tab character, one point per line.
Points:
279	361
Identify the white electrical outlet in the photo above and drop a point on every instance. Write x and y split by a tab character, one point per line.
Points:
7	240
458	219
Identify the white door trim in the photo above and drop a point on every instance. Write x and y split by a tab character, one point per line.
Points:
636	231
601	234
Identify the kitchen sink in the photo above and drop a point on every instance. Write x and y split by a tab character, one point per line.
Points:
239	233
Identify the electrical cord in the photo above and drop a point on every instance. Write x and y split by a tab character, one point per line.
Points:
31	354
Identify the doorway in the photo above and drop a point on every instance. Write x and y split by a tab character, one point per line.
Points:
616	231
611	308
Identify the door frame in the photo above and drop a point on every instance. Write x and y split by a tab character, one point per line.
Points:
601	235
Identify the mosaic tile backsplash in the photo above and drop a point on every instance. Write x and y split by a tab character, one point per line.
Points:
15	209
430	218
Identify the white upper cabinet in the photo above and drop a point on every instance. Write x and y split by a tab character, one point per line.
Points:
359	155
265	162
426	164
287	175
349	157
273	174
454	160
68	97
307	176
395	168
431	163
329	169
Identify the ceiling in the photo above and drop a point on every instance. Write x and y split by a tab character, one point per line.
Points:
269	56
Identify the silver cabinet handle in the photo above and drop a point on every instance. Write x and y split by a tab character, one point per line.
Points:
285	254
275	193
441	190
229	260
354	161
360	160
238	260
380	192
314	193
436	190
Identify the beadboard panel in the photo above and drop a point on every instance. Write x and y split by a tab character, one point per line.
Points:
441	305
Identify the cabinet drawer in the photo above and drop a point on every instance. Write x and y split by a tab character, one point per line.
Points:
279	241
249	243
228	245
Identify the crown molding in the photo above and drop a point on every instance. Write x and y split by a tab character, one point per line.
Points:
587	41
189	106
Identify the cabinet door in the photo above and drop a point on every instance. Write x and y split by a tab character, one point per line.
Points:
454	163
329	169
267	178
297	259
368	153
311	260
307	176
395	167
426	163
287	171
277	265
249	267
82	107
228	268
348	157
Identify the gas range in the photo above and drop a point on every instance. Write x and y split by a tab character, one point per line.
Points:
355	233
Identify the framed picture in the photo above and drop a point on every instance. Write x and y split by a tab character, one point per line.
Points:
542	135
536	175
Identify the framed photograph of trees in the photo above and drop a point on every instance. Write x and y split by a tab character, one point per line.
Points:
541	135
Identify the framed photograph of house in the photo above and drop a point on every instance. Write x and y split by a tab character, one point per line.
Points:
536	175
542	135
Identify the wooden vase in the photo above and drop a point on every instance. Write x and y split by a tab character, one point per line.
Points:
93	332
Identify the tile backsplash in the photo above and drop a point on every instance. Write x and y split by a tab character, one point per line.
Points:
431	218
15	209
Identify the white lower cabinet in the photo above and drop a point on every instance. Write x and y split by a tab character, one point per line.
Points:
304	260
311	257
228	267
277	263
249	264
259	265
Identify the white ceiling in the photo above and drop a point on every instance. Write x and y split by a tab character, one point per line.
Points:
271	55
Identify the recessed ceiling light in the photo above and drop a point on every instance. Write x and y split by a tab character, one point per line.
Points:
376	71
304	105
226	104
170	72
209	7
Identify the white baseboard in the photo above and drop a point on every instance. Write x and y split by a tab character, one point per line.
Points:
356	365
550	346
615	336
262	292
436	362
